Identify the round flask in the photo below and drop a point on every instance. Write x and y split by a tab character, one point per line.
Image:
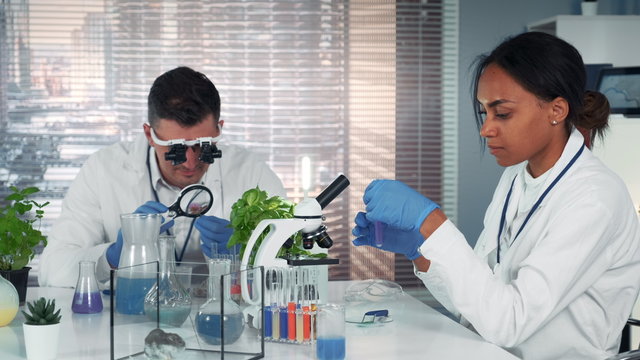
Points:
87	298
8	301
211	318
168	297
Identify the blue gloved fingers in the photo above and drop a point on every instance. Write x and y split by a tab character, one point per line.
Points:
166	225
395	240
362	225
371	190
211	226
213	230
361	220
113	251
396	204
362	240
151	207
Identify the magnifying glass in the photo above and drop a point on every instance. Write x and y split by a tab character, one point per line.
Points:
194	200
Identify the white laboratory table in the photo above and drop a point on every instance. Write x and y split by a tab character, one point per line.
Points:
418	332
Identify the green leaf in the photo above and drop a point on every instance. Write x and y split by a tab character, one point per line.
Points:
29	191
19	234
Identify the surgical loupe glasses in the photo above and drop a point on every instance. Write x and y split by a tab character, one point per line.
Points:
177	153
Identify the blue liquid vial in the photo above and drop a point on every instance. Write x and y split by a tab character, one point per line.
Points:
267	322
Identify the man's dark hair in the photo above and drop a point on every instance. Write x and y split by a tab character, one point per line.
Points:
183	95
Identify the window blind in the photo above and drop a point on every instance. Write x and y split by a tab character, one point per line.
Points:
366	88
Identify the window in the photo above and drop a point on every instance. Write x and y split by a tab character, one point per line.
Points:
367	88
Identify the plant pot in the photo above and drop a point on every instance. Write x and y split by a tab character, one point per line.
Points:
41	341
19	279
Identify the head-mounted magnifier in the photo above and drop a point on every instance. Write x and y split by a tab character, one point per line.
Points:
178	148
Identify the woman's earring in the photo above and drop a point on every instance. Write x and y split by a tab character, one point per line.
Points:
554	122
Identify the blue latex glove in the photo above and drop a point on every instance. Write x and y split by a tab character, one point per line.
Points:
150	207
114	250
396	204
213	230
395	240
154	207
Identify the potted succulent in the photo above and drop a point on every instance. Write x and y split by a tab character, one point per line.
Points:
41	329
19	235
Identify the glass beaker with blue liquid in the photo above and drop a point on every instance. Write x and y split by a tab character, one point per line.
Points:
220	318
330	343
138	268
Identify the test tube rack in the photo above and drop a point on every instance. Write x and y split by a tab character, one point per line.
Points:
291	299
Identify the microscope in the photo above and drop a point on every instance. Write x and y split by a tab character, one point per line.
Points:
307	219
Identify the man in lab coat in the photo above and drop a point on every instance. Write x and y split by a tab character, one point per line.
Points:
145	176
556	270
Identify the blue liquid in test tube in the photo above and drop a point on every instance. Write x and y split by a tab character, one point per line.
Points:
379	229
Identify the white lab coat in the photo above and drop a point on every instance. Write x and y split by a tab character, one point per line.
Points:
114	181
566	286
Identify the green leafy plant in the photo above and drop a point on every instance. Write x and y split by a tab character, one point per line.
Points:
254	206
18	236
43	312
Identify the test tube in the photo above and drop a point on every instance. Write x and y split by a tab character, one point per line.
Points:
306	316
275	317
379	230
300	296
267	308
284	333
291	306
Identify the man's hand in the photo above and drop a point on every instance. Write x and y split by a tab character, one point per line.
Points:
150	207
214	232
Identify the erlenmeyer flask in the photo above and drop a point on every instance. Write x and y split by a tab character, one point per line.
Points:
211	318
167	296
138	267
87	298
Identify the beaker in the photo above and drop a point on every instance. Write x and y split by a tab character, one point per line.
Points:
214	325
168	297
330	344
87	298
138	267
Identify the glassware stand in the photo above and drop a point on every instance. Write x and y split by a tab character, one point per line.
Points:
128	333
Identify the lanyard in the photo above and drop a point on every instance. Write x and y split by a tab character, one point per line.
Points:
535	206
155	195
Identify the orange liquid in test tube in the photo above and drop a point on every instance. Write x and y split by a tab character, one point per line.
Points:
291	317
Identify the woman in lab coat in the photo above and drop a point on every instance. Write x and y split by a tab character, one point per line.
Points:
556	270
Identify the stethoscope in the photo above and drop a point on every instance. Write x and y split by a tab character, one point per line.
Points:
535	206
155	196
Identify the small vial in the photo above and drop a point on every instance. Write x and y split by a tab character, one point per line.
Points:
379	237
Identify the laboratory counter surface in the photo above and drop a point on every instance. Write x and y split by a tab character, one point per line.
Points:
417	332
